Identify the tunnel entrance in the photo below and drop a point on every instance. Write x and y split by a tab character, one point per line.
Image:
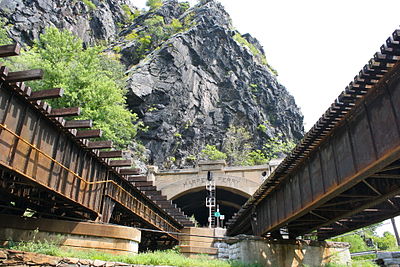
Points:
193	202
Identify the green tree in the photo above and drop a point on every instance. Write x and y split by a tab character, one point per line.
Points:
275	146
4	39
386	242
237	145
154	4
210	152
90	79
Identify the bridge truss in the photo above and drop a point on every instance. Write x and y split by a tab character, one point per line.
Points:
49	167
345	173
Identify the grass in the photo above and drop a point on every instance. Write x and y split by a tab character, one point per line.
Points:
168	257
360	263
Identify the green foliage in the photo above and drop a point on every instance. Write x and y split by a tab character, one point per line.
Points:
210	152
191	157
276	146
261	57
256	157
178	135
356	242
262	128
91	81
184	6
4	39
89	4
361	263
156	32
129	15
385	242
237	145
168	257
154	4
175	26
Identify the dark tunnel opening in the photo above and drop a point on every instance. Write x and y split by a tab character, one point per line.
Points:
193	202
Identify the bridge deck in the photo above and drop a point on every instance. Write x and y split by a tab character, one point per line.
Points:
345	173
56	172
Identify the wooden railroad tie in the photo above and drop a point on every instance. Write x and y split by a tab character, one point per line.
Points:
10	50
46	94
100	144
110	154
120	163
25	75
89	134
129	171
64	112
78	124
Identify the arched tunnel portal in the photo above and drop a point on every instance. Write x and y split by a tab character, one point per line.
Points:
193	202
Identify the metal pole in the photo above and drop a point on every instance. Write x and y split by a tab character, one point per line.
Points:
396	233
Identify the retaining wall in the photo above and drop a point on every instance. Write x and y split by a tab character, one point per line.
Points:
283	253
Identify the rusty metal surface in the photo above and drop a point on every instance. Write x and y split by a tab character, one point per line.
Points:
328	185
46	167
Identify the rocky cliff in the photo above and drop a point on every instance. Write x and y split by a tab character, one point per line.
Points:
188	86
200	82
92	22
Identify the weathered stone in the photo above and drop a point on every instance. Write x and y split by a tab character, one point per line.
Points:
199	83
3	254
71	260
85	262
30	18
98	263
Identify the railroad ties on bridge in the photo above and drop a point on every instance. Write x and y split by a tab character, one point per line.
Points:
49	165
345	173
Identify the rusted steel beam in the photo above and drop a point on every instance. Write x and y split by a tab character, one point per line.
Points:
100	144
363	138
89	134
75	124
26	75
46	94
120	163
10	50
64	112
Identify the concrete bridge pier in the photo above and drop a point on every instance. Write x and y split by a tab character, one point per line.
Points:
107	238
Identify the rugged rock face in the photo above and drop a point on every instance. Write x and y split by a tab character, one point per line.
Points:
202	81
28	18
191	88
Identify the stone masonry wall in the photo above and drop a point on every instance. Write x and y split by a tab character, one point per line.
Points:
288	253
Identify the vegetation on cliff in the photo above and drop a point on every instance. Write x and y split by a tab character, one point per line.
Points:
90	80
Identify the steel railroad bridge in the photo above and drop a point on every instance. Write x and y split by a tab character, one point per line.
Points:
49	167
345	173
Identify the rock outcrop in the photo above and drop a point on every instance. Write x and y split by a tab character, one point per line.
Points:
97	21
191	87
202	81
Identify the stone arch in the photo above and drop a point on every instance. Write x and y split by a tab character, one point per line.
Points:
192	202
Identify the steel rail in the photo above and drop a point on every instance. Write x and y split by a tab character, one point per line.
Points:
4	127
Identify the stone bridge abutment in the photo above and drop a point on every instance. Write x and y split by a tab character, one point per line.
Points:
186	187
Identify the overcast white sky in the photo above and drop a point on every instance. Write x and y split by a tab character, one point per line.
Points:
316	46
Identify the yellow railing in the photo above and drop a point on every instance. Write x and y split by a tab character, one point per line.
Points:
151	217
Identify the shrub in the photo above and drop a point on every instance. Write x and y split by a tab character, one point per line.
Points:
256	53
154	4
90	80
184	6
210	152
129	15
